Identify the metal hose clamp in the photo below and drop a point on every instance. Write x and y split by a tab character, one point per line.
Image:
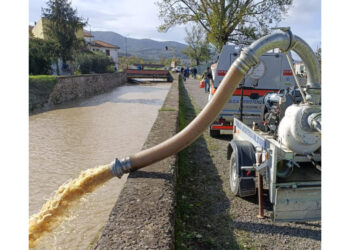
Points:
314	121
291	37
246	60
120	167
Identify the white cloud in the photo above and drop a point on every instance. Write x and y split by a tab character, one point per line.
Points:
133	17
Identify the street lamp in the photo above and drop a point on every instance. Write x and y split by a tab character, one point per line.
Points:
174	57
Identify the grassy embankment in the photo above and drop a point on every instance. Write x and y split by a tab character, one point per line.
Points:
198	223
42	79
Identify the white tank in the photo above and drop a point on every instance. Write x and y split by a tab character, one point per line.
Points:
294	131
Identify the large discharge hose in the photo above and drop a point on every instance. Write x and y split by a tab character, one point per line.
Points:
284	40
188	134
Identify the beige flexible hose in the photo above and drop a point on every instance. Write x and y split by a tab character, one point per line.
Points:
195	128
249	57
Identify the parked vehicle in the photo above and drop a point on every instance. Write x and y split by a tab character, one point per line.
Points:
178	69
271	74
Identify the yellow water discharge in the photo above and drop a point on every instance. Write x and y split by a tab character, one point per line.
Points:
52	212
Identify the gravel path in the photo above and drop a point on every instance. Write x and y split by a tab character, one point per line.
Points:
234	223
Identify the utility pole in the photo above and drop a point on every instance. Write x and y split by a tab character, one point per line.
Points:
174	57
126	50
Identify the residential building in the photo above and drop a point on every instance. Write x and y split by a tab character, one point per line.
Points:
39	30
88	37
109	49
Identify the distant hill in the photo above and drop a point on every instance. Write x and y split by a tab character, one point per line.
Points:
145	48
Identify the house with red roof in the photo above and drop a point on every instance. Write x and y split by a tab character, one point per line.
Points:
96	45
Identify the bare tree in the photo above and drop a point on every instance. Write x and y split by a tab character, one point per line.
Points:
224	20
198	49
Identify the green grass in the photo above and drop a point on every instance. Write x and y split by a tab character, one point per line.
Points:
184	208
43	83
197	223
42	79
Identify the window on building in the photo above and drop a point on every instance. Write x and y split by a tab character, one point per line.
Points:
107	52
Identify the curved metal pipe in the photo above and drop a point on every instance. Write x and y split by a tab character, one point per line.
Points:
249	57
312	68
285	41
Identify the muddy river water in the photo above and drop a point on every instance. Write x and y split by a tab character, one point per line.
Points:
65	141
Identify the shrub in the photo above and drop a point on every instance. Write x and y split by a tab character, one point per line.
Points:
94	63
84	63
111	68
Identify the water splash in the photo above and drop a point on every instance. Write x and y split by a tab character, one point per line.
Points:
53	211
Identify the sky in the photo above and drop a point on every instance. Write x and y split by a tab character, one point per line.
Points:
139	18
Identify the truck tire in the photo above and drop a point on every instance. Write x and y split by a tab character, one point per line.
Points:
214	133
234	179
242	183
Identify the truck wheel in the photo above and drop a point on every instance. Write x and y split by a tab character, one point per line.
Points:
214	133
234	179
242	182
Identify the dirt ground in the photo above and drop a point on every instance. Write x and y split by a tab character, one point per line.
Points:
208	215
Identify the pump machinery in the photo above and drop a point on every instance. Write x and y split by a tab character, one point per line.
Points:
280	147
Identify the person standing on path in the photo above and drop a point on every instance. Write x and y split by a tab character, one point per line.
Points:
187	73
194	73
207	77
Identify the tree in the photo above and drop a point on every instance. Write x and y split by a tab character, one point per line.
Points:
198	49
41	55
61	25
224	20
127	61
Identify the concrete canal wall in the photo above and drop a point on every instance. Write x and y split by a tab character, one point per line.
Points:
68	88
74	87
144	215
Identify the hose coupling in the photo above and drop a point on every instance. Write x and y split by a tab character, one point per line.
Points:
246	60
314	121
120	167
